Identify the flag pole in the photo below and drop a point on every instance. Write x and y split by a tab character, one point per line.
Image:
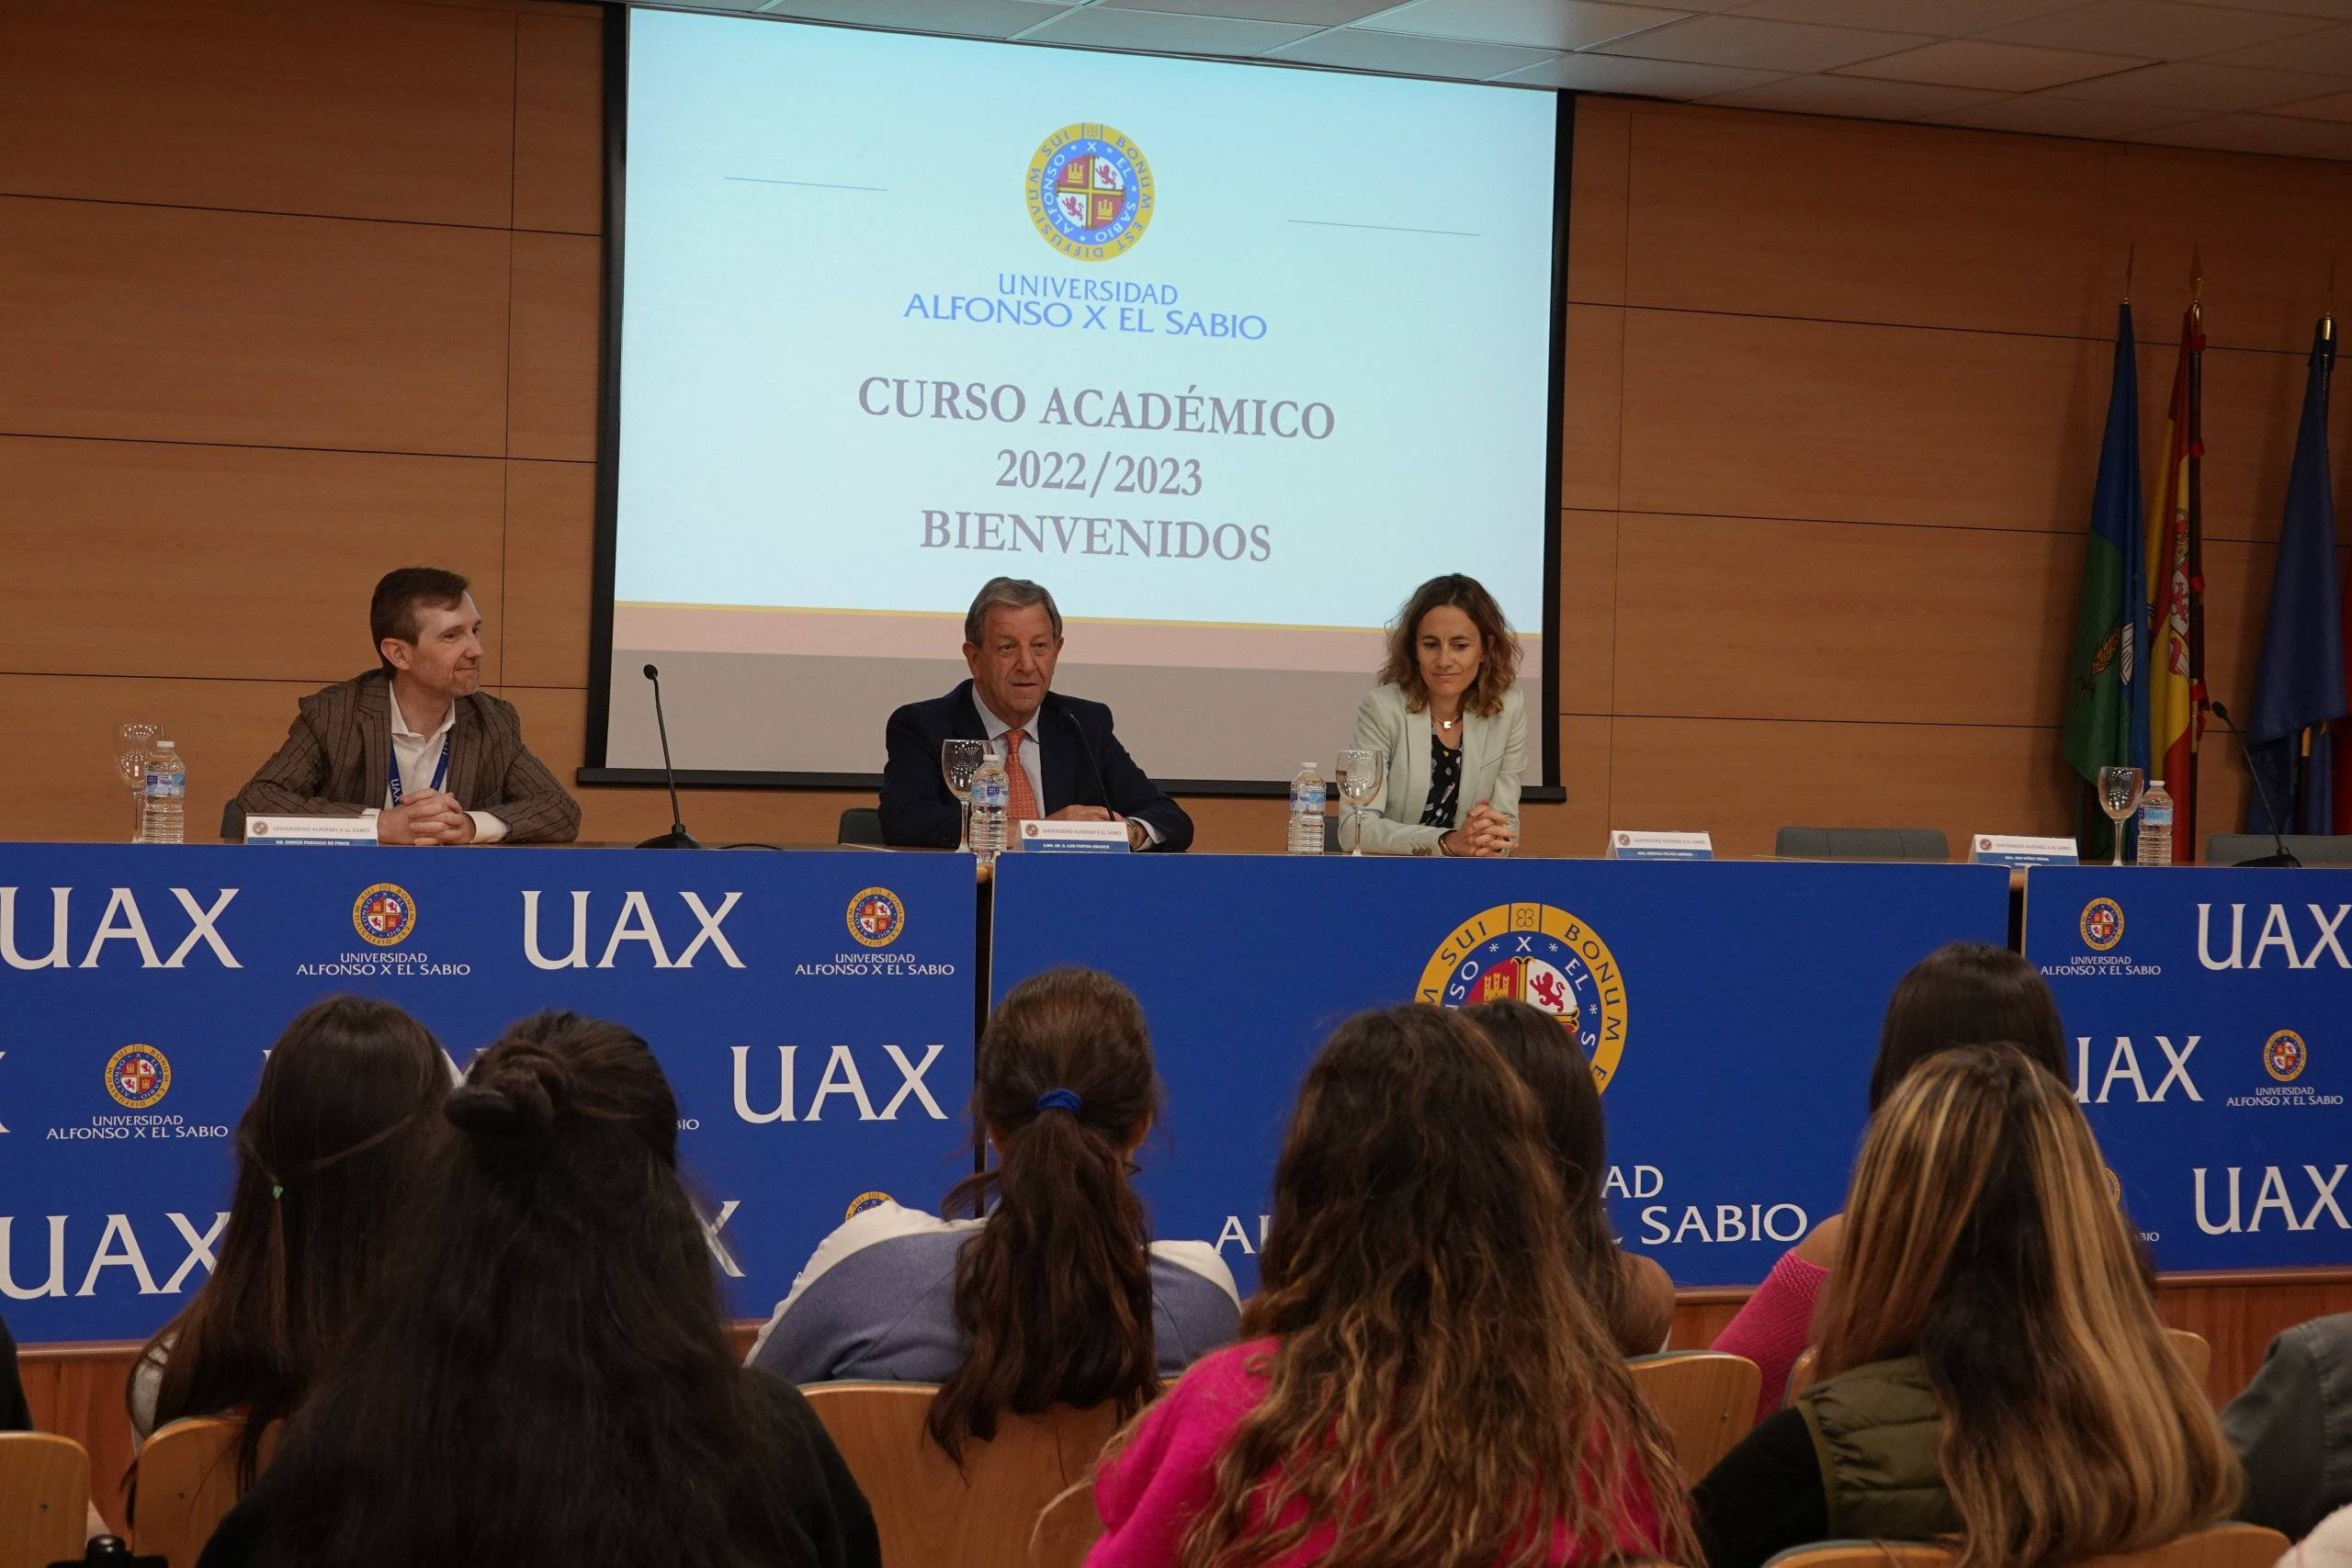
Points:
2200	697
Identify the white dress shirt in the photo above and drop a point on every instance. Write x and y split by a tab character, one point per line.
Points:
417	756
998	728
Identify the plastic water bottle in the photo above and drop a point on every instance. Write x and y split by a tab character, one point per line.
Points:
1306	811
2155	825
162	800
992	800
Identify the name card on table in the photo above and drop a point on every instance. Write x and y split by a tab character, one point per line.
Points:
1628	845
1082	837
2011	850
310	830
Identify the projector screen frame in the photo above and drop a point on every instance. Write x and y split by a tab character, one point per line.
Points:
594	772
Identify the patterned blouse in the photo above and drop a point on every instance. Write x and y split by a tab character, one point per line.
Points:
1445	782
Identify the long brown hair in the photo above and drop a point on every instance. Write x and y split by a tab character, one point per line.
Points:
1967	993
1981	1237
1055	1289
1441	1392
1498	653
1555	1069
324	1152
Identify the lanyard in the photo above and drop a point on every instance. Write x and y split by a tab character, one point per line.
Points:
440	772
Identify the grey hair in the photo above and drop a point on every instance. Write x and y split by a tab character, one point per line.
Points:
1007	594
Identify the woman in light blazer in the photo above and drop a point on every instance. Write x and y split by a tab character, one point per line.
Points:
1453	724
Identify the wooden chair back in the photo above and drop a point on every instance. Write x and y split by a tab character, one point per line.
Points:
2215	1546
1800	1377
44	1499
187	1483
1067	1529
1706	1400
928	1511
1863	1554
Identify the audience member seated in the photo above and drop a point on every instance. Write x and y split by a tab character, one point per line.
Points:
15	1415
2292	1426
325	1152
542	1378
1634	1296
1421	1382
1964	993
1059	1297
1994	1367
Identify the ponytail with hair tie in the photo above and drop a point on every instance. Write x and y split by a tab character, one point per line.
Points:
1061	1100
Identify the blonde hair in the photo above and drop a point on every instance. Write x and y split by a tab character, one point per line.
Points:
1981	1237
1441	1391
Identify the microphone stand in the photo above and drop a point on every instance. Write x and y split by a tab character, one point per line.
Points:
677	837
2285	855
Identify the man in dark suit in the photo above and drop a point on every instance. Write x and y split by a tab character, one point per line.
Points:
1063	759
416	742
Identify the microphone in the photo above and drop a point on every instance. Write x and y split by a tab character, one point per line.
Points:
1102	786
2285	855
677	837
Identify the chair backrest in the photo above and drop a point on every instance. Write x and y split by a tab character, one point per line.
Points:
1067	1529
2193	1349
859	825
2312	848
926	1510
1861	843
1800	1377
44	1499
1706	1400
187	1484
1863	1554
2215	1546
232	821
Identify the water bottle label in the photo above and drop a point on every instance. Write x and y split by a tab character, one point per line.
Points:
988	793
2155	816
1306	800
170	786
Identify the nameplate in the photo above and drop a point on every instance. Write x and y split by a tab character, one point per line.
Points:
2011	850
1080	838
1661	846
298	830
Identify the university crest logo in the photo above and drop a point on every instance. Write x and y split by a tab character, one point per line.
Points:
2102	924
138	1076
1089	192
2284	1055
863	1201
384	914
876	916
1546	957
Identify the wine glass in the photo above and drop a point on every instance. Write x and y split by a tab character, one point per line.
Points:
2119	795
1361	770
134	744
959	760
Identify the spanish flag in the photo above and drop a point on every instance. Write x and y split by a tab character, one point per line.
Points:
2173	550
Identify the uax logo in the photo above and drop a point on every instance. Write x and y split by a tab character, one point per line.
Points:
138	1076
632	931
121	929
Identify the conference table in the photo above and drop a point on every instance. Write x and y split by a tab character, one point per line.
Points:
816	1012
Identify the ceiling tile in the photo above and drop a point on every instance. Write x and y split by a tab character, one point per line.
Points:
1643	78
2165	29
2197	86
2043	114
1530	24
1949	17
1760	45
2335	107
1163	32
1305	13
1354	49
2257	134
1853	96
2329	51
2006	67
968	18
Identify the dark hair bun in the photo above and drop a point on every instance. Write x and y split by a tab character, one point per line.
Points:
518	1091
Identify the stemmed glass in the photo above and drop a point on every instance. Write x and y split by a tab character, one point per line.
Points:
134	744
2119	790
1361	770
959	760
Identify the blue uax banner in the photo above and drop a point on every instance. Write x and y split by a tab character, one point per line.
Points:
813	1012
1732	1008
2211	1013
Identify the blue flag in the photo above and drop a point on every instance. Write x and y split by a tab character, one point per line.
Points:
2300	682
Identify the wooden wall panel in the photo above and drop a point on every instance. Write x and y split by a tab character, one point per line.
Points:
551	374
1742	618
244	330
560	121
265	562
1588	576
1783	215
264	105
1755	417
551	561
1600	169
1592	394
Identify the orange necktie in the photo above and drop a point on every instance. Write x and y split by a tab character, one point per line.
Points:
1024	799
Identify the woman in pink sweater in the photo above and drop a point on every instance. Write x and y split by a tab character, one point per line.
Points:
1422	1382
1964	993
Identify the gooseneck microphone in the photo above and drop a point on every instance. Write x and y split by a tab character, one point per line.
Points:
677	837
2277	836
1087	749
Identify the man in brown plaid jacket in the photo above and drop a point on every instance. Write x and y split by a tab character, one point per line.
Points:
417	742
